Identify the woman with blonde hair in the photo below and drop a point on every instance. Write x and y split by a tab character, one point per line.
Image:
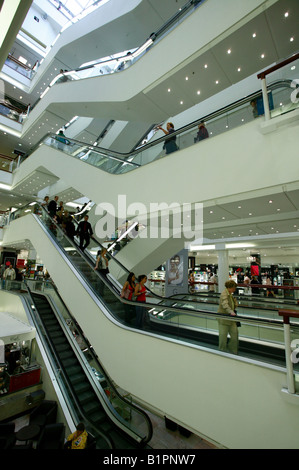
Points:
227	306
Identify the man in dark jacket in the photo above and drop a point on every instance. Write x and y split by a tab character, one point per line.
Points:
84	231
52	206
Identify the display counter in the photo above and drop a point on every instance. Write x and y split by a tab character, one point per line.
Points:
25	378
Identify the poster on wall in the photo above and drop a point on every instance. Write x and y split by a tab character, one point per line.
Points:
30	268
176	277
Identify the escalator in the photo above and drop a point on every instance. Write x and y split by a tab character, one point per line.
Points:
84	397
180	320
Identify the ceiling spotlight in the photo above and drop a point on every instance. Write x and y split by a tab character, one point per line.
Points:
206	66
187	78
217	81
291	39
239	69
181	102
270	202
254	35
169	90
286	14
262	56
198	92
229	51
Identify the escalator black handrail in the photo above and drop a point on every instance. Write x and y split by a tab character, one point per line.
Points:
215	316
131	302
160	140
216	295
102	368
64	373
191	4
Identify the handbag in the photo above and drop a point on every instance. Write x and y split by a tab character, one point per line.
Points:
125	294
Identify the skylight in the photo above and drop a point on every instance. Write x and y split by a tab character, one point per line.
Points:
72	8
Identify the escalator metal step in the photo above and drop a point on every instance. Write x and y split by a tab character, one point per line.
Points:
92	407
66	354
76	378
83	387
86	397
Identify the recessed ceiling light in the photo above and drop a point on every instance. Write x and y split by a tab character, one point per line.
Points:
198	92
211	212
254	35
250	213
217	81
229	51
291	39
206	66
262	56
239	69
186	78
169	90
286	14
270	202
181	102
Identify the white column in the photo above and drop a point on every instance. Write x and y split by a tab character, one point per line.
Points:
223	266
288	352
265	100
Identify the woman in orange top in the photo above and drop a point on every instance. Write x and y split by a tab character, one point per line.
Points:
140	291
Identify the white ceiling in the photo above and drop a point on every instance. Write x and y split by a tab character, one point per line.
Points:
230	219
273	33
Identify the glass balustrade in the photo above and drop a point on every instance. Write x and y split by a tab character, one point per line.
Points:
120	401
228	118
284	101
180	319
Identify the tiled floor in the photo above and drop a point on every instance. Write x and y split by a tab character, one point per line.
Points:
163	438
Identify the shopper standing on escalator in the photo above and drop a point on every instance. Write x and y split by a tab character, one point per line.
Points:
102	267
202	132
170	143
52	206
227	306
140	291
84	231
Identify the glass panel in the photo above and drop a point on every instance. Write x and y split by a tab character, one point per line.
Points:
282	101
129	415
230	117
182	319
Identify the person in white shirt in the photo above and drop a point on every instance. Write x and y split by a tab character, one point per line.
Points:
9	275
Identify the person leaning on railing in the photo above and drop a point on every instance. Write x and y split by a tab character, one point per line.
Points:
227	306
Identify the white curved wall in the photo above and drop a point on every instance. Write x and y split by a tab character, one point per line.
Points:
242	160
230	401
